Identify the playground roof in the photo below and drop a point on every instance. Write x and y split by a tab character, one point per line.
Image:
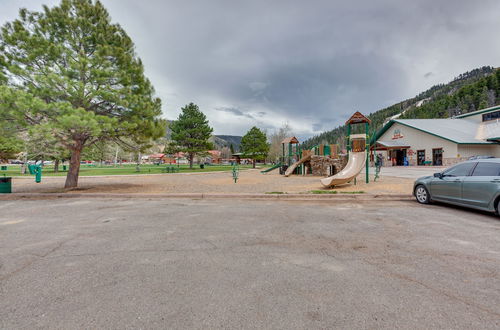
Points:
291	140
358	118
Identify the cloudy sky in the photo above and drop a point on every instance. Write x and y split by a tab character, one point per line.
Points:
308	63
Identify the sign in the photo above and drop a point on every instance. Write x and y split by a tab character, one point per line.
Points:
397	134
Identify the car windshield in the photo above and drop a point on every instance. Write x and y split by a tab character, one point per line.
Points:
459	170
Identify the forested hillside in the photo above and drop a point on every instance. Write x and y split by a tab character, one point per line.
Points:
222	141
473	90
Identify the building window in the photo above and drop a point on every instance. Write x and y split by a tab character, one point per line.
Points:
420	157
437	157
491	116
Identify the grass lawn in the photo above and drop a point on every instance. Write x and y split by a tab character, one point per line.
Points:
86	170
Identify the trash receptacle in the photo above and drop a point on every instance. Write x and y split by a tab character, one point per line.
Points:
202	166
3	168
64	167
5	185
38	174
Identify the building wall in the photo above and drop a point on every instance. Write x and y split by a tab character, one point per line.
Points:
418	140
468	150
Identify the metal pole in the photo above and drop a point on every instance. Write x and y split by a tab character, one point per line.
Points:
348	138
367	145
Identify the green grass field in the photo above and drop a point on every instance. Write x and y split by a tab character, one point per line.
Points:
86	170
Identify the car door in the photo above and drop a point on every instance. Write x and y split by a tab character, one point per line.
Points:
448	187
481	187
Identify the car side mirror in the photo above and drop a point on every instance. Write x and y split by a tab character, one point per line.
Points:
438	175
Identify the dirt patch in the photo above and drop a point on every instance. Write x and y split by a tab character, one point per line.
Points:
250	181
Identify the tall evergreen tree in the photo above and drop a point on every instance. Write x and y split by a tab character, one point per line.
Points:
10	143
254	145
71	70
191	132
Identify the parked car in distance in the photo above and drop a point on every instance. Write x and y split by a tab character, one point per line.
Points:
40	162
16	161
474	184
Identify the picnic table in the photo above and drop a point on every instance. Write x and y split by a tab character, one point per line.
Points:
170	169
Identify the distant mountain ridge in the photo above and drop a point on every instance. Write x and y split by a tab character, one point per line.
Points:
470	91
222	141
219	141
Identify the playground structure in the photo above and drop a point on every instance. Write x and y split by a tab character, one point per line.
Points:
320	160
324	160
358	149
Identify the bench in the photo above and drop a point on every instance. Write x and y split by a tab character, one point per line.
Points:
170	169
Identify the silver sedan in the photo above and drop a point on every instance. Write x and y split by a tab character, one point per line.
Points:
474	184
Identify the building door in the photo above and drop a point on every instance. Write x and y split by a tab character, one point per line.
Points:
400	157
420	157
437	157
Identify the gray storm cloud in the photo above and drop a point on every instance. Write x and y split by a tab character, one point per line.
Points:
308	63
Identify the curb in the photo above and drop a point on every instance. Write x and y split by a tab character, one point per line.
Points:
304	197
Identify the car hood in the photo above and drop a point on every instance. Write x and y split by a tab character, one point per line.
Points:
424	179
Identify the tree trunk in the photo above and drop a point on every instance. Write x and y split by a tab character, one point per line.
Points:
191	159
56	165
253	163
74	169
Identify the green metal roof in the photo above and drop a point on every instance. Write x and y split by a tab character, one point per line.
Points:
478	112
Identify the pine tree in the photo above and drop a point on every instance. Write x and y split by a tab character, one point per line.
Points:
10	143
72	71
191	132
254	145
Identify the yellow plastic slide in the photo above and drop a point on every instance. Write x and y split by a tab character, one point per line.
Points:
354	165
294	165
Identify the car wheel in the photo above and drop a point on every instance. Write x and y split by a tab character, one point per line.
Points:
422	194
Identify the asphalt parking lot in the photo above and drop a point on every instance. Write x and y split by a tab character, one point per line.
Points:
198	264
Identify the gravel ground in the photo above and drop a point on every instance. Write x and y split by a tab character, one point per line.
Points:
250	181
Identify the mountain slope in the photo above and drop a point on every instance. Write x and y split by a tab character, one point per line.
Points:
473	90
222	141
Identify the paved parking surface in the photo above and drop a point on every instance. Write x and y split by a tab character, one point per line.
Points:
135	263
409	172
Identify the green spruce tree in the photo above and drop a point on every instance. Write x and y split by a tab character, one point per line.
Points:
254	145
191	132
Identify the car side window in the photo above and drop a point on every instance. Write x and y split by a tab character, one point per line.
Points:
487	169
459	170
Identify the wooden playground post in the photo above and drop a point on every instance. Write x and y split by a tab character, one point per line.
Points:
359	118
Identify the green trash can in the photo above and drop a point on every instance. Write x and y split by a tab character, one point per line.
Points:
38	174
5	185
64	167
202	166
3	168
31	168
